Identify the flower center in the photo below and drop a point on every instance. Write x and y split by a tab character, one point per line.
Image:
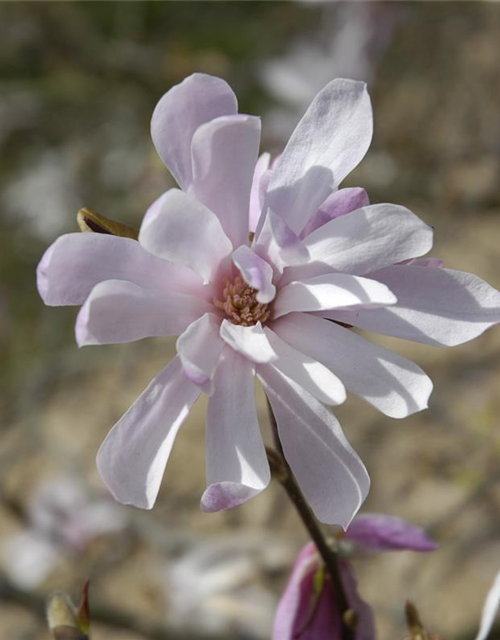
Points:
240	304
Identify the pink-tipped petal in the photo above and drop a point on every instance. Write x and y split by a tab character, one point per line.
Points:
337	204
336	290
199	349
256	272
256	201
237	466
388	533
369	239
76	262
117	311
435	306
394	385
225	152
198	99
251	342
331	475
310	374
186	232
329	141
132	458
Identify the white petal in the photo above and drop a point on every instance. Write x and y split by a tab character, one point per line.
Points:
251	342
278	244
237	467
256	202
337	204
225	152
186	232
393	384
329	141
196	100
199	349
132	458
117	311
370	238
256	272
76	262
331	291
331	475
306	372
490	609
435	306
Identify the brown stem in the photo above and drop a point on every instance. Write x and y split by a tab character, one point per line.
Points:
282	472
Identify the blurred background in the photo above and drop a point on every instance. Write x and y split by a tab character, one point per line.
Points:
78	84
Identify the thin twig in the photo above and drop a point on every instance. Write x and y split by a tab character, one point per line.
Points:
283	473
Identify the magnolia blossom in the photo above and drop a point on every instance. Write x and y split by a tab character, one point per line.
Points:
308	609
249	262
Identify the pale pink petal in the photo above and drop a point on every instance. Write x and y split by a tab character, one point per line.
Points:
118	311
237	466
198	99
394	385
423	262
256	202
295	603
441	307
388	533
336	290
225	152
279	245
132	458
490	609
310	374
337	204
154	208
331	475
199	349
369	239
329	141
256	272
76	262
186	232
251	342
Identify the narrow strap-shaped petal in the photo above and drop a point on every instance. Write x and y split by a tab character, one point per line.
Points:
186	232
381	532
329	141
117	311
256	201
331	475
132	458
435	306
279	245
310	374
225	152
186	106
337	204
256	272
490	609
251	342
369	239
237	466
199	349
394	385
76	262
331	291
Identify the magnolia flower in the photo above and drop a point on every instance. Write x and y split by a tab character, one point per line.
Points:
308	608
248	263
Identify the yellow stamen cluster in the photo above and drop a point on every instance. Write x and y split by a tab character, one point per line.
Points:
240	304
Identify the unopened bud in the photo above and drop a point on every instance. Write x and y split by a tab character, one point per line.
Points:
88	220
415	626
65	622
